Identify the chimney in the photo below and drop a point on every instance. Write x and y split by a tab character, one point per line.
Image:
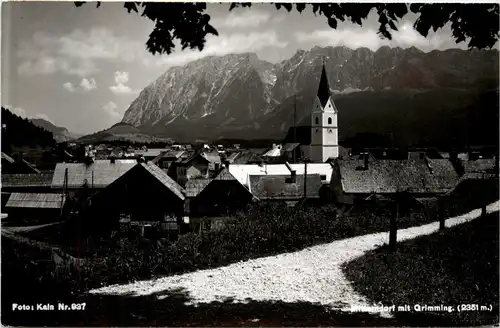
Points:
112	160
226	164
365	161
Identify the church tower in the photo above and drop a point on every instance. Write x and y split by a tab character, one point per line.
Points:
324	128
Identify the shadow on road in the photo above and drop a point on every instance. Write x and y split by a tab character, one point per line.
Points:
128	310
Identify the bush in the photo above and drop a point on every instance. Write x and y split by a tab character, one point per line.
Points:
265	230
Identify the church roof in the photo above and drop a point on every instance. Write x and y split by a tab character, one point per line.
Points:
324	88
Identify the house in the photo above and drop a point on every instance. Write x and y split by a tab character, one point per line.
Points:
285	189
214	160
91	176
143	193
18	165
198	165
28	183
291	152
165	159
217	198
353	180
242	171
273	155
152	153
35	207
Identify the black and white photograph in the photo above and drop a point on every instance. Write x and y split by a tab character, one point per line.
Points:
210	164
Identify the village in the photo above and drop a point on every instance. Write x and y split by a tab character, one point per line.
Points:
94	215
179	186
182	186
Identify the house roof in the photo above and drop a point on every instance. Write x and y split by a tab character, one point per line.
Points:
7	158
212	157
224	174
27	180
232	157
290	146
98	174
163	177
390	176
195	186
482	165
153	152
29	200
277	187
242	171
274	152
247	157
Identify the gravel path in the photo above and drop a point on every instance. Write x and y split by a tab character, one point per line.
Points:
311	275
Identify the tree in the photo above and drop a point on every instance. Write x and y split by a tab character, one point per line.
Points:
188	22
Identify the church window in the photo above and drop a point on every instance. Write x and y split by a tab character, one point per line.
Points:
317	120
329	120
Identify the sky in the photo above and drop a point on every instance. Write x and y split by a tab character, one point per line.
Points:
80	68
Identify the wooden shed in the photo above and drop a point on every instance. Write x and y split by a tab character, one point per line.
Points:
143	193
35	208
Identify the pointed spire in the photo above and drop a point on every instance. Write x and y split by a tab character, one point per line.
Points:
324	87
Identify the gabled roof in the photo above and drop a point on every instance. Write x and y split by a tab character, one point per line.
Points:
7	158
27	180
212	157
482	165
163	177
391	176
98	174
324	88
195	186
277	186
274	152
29	200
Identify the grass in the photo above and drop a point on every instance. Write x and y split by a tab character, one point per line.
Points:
456	266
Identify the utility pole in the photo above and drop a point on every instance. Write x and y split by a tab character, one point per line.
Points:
305	178
294	125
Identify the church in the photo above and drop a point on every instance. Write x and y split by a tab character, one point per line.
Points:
318	139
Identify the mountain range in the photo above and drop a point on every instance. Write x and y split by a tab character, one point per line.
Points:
412	95
60	134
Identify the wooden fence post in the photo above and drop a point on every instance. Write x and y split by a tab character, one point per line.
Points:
441	216
393	238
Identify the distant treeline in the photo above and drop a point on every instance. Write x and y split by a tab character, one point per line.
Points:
20	132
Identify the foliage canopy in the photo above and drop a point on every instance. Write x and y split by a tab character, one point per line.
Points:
476	24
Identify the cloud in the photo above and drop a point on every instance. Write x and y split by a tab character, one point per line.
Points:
69	87
222	45
356	37
85	85
88	84
111	109
121	78
75	53
242	18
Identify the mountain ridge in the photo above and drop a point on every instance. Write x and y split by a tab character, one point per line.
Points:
218	95
61	134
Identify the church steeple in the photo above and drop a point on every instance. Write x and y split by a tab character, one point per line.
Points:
324	87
